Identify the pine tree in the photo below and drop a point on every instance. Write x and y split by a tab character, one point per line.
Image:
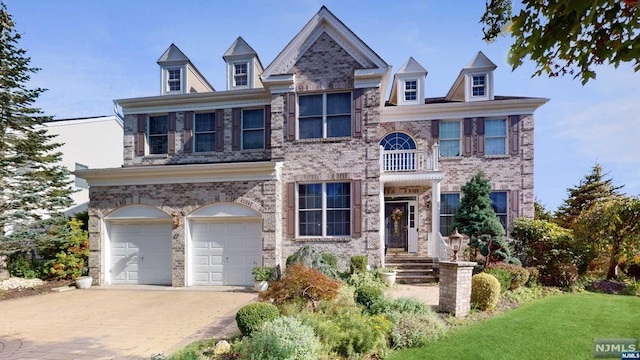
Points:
592	188
475	218
34	187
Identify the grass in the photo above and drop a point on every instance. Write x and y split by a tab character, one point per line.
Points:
558	327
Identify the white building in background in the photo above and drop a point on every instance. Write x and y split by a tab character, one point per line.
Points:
88	143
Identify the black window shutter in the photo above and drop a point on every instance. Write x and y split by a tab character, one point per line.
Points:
235	129
220	130
356	124
467	131
291	210
435	129
356	186
515	134
290	104
141	134
187	132
171	134
267	127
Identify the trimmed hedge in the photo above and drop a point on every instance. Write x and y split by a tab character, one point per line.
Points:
251	317
485	291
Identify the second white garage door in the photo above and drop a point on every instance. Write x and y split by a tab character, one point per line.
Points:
225	252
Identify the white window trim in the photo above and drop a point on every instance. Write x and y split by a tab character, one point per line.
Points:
148	135
488	86
194	143
242	129
440	214
167	82
324	114
460	129
323	225
506	137
405	91
235	76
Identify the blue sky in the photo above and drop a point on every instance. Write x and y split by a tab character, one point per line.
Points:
92	52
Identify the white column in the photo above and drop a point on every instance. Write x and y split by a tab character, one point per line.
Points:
435	217
381	226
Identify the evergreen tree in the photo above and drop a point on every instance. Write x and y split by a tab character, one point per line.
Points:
540	212
34	187
475	218
592	188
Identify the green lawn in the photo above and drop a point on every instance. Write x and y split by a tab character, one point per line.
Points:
557	327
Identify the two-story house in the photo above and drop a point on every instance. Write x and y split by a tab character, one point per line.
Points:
309	150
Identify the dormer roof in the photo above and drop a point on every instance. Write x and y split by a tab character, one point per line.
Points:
410	69
479	64
239	49
173	56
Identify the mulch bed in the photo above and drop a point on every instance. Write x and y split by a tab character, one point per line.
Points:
42	289
608	286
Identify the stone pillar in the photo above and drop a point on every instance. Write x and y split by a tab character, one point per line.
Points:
455	287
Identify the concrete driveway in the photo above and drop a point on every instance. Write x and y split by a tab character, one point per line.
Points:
116	323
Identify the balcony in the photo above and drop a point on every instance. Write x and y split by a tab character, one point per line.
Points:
396	161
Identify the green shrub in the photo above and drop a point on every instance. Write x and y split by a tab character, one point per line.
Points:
24	265
313	258
358	264
519	275
630	265
503	276
367	295
67	252
367	278
485	291
349	333
414	330
263	273
251	317
534	276
301	283
559	274
632	289
402	305
282	338
330	259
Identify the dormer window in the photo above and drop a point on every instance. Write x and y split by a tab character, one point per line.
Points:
240	75
173	80
410	90
479	85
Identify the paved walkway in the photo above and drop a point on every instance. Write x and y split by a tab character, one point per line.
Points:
115	323
429	293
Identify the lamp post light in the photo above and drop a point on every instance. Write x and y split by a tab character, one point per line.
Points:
455	241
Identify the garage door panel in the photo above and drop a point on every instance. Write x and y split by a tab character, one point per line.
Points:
140	253
233	249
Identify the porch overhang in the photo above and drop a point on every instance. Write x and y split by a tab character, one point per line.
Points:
410	178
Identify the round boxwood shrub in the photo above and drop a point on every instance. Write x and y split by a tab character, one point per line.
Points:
358	264
250	317
282	338
485	291
367	295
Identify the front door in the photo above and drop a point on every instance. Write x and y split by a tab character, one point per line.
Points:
396	225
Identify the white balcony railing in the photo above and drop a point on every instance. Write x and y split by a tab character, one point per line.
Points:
408	160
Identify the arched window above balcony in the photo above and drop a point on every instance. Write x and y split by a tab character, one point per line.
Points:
398	141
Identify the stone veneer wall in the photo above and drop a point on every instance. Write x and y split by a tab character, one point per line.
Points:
261	196
455	287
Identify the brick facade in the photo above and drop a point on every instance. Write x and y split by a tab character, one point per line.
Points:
325	66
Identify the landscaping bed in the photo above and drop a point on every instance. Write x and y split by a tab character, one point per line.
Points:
27	289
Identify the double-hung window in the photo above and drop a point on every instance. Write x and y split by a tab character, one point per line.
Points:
324	209
205	132
324	115
173	80
499	205
479	85
410	90
449	204
240	74
253	129
449	138
158	134
495	140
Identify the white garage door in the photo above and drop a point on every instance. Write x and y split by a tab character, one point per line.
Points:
225	253
140	254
